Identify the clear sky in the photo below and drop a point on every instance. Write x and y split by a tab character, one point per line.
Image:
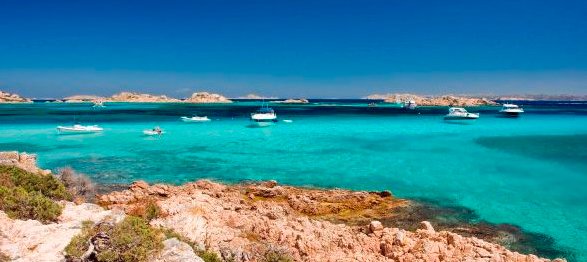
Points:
293	48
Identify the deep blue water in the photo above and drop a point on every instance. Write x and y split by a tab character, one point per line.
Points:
529	171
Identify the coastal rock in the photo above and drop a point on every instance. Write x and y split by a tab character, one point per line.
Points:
375	227
247	220
294	101
27	162
140	98
426	226
205	97
6	97
446	100
176	251
30	240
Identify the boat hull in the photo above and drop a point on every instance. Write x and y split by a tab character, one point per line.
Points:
195	120
462	117
511	113
152	133
68	130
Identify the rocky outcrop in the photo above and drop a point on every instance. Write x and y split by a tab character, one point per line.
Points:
446	100
6	97
205	97
244	221
140	98
24	161
294	101
177	251
30	240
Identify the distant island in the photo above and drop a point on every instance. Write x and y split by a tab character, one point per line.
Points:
207	97
6	97
198	97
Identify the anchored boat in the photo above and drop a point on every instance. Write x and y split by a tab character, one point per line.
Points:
265	116
195	119
511	110
79	129
459	113
411	104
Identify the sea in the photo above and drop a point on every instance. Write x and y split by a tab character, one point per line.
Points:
529	171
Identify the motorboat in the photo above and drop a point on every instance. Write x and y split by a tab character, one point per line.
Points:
459	113
79	129
195	119
264	116
153	132
411	104
511	110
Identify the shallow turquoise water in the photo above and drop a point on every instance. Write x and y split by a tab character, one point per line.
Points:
529	171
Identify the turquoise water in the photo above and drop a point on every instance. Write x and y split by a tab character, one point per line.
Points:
530	171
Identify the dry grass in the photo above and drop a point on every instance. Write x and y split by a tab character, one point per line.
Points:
147	209
79	185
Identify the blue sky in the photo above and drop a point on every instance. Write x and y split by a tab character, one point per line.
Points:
293	48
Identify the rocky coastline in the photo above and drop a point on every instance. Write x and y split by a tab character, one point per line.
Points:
244	222
6	97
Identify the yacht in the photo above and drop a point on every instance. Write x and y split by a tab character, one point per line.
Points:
79	129
459	113
511	110
264	116
195	119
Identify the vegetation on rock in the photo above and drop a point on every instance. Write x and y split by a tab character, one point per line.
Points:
25	195
147	210
130	240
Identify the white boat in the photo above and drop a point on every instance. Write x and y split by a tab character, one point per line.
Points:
459	113
79	129
153	132
411	104
511	110
98	104
195	119
265	116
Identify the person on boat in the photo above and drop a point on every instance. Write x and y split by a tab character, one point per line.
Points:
157	130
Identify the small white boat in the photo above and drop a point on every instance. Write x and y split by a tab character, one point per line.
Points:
98	103
511	110
79	129
195	119
411	104
153	132
459	113
265	116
